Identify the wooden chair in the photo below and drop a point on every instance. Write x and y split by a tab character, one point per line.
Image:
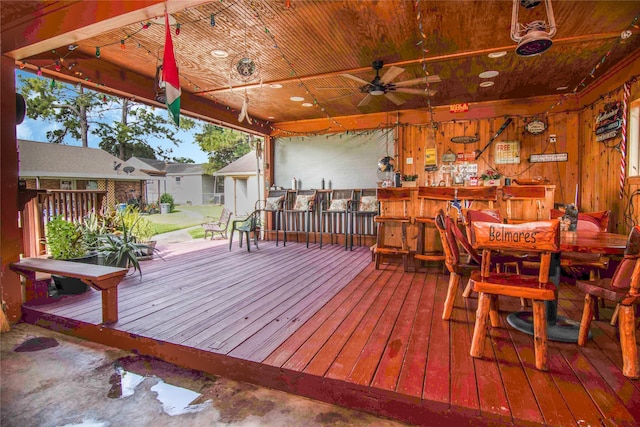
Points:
541	237
338	212
274	206
365	208
298	214
623	289
393	215
245	227
217	225
456	265
525	193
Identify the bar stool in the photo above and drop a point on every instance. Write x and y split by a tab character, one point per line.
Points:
364	209
274	207
338	211
391	201
298	214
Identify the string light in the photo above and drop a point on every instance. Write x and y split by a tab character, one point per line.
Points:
122	45
97	51
177	29
213	20
39	72
57	66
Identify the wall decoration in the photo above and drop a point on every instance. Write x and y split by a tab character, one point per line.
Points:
535	127
507	152
458	108
430	160
551	157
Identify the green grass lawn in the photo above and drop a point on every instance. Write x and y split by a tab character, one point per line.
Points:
184	216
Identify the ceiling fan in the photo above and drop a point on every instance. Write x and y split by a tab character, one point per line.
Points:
384	85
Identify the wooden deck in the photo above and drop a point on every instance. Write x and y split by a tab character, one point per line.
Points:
323	323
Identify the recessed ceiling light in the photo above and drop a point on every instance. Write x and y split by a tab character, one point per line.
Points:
488	74
219	53
486	84
562	88
297	98
497	54
307	104
275	86
271	117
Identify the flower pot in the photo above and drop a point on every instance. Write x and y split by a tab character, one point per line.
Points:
409	183
71	285
146	250
491	182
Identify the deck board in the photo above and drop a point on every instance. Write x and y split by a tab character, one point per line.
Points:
324	323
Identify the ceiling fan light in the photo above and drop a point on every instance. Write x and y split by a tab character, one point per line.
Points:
534	43
377	91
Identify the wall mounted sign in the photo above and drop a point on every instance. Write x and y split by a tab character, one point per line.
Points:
545	158
449	156
465	139
611	112
465	157
430	160
506	152
458	108
606	136
614	125
535	127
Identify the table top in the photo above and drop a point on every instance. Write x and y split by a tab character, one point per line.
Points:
593	242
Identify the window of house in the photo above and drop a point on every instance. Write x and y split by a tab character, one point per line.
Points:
633	139
92	185
178	178
66	185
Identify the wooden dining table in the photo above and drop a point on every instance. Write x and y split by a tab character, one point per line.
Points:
561	328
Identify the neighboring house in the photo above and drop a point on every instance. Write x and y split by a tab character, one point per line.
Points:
186	182
50	166
241	185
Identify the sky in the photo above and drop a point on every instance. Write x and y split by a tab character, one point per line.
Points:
34	130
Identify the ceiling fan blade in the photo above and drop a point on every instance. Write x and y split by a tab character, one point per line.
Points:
391	97
416	91
430	79
391	74
366	100
356	79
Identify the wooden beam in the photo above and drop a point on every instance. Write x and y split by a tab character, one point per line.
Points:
54	26
108	78
10	236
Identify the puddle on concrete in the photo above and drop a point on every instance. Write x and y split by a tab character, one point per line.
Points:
175	400
36	344
88	423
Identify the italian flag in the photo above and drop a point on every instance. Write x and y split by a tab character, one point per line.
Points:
170	75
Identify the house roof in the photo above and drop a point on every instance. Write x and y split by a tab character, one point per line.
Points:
172	168
43	159
245	165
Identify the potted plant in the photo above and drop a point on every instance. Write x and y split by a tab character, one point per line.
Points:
490	177
66	241
409	180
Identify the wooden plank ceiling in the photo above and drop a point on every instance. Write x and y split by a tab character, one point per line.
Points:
307	46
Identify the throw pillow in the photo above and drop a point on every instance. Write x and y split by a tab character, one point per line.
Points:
303	203
369	204
338	205
273	203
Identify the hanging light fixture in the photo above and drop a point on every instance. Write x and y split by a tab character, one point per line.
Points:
533	38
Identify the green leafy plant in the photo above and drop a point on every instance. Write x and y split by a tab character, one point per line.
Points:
65	240
167	198
409	177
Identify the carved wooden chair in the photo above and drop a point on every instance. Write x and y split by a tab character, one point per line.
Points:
541	237
623	289
273	206
535	194
394	216
218	225
336	215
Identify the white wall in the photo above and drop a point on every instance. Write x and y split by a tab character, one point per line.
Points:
240	195
348	161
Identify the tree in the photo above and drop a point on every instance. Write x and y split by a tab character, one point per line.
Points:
123	126
182	160
74	108
223	145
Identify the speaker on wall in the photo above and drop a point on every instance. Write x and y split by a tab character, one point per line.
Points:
21	108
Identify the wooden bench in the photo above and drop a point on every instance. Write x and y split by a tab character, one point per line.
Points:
103	278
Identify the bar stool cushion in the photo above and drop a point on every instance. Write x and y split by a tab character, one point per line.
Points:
274	203
338	205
